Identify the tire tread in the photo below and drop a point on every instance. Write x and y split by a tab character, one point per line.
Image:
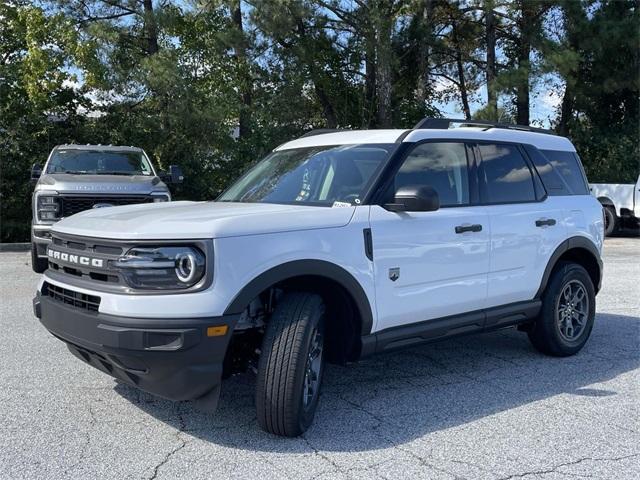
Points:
279	363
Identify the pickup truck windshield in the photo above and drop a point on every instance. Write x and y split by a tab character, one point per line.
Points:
99	162
313	175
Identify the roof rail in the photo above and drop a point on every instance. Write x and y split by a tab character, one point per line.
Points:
444	123
322	131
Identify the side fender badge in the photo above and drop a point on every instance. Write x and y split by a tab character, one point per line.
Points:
394	274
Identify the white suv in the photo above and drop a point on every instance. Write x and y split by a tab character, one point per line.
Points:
334	247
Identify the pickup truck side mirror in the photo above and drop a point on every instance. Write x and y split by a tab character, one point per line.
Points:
414	198
175	173
36	172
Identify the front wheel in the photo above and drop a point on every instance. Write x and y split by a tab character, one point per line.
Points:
568	312
291	365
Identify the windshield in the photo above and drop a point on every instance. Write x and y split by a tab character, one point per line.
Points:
99	162
314	175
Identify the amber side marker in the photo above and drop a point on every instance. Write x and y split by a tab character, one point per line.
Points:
217	331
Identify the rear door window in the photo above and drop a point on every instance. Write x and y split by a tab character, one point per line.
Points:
508	178
568	165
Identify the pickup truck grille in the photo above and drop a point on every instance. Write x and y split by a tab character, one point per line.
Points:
71	297
72	204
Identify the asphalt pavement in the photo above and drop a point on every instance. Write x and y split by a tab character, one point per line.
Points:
486	406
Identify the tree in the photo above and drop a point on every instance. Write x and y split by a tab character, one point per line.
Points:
37	103
524	35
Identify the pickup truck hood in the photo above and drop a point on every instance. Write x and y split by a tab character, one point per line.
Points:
198	220
103	184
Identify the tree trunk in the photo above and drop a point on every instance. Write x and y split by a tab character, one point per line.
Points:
566	110
308	57
524	65
490	71
425	39
574	16
370	81
462	83
330	118
150	28
244	73
383	69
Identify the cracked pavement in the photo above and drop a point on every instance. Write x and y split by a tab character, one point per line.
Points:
482	407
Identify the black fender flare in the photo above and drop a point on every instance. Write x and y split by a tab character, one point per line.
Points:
606	202
569	244
298	268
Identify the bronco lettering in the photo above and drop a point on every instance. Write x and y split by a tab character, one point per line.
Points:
76	259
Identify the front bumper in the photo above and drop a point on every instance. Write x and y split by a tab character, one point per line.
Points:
171	358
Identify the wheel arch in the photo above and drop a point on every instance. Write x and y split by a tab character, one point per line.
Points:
580	250
308	269
606	202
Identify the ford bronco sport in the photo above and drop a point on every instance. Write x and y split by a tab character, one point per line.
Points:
80	177
334	247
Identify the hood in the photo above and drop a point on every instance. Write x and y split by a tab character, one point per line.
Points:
200	220
109	184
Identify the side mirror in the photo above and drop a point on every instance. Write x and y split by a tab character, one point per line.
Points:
175	174
36	172
414	198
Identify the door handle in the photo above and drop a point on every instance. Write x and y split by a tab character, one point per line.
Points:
469	228
545	222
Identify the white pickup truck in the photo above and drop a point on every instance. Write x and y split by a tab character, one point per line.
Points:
621	203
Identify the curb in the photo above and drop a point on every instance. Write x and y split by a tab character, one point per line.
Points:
15	247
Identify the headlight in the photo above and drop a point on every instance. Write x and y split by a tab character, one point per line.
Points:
48	208
159	268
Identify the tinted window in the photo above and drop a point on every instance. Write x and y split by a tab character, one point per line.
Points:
442	166
568	166
507	175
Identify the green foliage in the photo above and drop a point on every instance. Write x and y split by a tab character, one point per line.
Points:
214	85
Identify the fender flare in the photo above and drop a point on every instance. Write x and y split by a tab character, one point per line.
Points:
297	268
606	201
569	244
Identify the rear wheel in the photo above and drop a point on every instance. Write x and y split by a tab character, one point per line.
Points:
38	264
291	365
568	312
610	221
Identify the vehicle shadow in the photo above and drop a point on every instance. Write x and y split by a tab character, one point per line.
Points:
394	398
627	231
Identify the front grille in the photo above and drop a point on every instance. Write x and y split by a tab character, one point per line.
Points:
71	297
72	204
107	250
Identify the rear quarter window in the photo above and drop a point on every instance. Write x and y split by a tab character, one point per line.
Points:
568	166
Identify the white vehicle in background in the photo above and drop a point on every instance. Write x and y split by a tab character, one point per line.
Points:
621	203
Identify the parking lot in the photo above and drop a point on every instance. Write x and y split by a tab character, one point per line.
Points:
487	406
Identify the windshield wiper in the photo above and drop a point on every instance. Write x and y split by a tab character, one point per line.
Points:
107	172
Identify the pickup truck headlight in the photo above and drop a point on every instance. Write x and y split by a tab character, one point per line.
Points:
48	208
160	268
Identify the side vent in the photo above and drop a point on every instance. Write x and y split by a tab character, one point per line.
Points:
368	243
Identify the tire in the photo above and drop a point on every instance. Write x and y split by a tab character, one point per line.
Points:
550	333
295	326
610	221
38	264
